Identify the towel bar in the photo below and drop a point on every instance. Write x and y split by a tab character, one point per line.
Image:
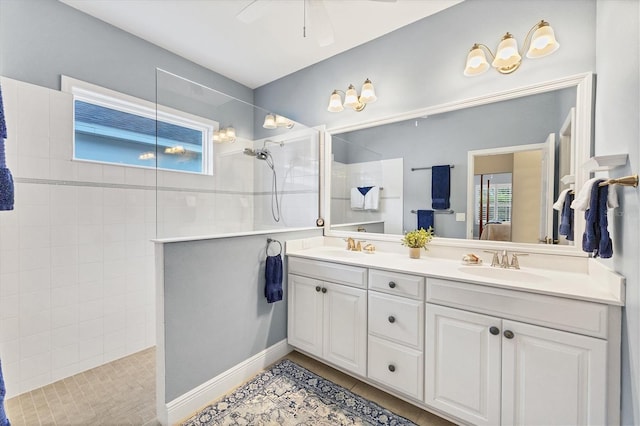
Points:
413	169
437	211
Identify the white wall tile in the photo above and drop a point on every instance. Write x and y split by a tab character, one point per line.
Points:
35	323
63	235
64	275
61	116
65	335
113	174
9	329
35	280
89	172
65	356
35	345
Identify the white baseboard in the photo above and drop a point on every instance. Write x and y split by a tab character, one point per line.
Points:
197	398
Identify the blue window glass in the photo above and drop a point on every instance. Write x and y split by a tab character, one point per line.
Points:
113	136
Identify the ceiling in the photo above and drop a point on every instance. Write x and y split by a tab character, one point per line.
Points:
209	33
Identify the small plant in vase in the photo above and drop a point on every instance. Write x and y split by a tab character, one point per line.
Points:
416	240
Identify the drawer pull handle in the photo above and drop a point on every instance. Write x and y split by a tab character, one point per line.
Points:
392	368
324	289
318	288
392	319
508	334
392	284
494	330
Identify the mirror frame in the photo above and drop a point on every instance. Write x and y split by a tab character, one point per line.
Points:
583	146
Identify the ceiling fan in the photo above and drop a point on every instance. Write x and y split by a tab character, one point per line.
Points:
317	14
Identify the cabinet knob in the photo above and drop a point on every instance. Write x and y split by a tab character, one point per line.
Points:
324	289
392	368
494	330
318	288
392	319
392	284
508	334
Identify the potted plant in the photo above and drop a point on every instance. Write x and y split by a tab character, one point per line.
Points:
416	240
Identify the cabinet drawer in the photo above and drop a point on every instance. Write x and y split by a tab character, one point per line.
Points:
327	271
398	284
396	318
407	365
576	316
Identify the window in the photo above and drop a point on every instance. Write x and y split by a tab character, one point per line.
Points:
117	129
499	200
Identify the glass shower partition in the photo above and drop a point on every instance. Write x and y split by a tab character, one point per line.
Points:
224	166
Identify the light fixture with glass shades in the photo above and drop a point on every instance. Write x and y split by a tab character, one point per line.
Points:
273	121
226	135
351	98
540	41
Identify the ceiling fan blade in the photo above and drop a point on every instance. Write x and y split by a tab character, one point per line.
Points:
321	26
252	12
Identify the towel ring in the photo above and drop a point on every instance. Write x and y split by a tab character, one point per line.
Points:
271	240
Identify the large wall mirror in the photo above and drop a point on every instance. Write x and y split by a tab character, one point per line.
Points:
509	155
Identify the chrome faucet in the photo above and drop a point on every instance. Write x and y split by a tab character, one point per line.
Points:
504	263
514	260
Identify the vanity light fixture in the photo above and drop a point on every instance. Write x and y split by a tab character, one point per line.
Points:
273	121
351	98
147	156
540	41
226	135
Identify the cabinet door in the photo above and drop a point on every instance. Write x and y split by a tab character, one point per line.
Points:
345	327
304	324
552	377
462	364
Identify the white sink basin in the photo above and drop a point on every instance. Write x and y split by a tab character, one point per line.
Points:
512	275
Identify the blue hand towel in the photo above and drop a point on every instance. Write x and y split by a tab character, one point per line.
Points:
566	218
273	276
364	189
591	236
6	180
605	246
440	187
3	416
425	219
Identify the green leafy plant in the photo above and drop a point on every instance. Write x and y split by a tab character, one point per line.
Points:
418	238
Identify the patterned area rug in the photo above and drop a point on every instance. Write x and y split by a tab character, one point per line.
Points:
288	394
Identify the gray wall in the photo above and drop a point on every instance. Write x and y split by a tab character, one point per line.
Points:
216	315
421	64
42	39
617	130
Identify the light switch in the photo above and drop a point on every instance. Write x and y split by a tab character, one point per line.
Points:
461	217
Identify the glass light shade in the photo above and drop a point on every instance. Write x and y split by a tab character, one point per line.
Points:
231	134
216	137
507	55
351	97
368	93
543	42
476	62
335	102
269	122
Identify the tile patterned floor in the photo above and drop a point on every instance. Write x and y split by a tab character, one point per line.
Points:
123	393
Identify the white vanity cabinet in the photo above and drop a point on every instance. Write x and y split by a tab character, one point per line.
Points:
396	331
490	369
328	319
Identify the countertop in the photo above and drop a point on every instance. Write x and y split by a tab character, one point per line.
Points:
599	284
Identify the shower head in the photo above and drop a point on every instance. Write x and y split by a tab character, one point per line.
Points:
262	154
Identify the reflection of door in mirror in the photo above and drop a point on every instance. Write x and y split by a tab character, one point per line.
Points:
493	199
517	190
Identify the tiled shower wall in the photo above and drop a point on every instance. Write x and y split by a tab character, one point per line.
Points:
76	263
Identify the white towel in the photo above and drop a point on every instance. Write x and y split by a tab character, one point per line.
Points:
357	199
560	201
372	198
584	196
